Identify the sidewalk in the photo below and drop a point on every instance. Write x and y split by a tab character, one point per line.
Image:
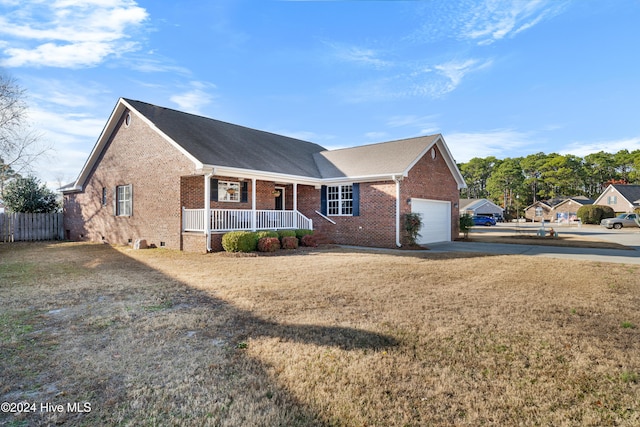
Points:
582	254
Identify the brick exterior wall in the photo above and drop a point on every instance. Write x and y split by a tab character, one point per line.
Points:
376	226
192	194
135	155
530	213
569	209
430	178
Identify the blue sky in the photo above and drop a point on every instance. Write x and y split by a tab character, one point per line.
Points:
502	78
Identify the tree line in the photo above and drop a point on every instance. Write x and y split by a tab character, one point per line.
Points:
521	181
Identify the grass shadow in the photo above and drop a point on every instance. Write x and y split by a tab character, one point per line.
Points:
140	346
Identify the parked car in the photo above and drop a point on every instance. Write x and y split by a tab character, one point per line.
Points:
622	220
483	220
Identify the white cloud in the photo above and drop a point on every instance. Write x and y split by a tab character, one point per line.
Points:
500	143
195	98
438	80
455	71
69	33
425	124
493	20
157	65
71	135
581	149
482	21
68	127
432	81
360	55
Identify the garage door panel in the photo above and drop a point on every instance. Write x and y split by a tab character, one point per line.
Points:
436	220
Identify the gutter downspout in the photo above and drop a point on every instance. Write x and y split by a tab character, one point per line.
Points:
397	181
207	209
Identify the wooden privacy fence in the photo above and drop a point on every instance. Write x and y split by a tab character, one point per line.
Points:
15	227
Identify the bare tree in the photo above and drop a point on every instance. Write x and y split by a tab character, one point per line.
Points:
19	144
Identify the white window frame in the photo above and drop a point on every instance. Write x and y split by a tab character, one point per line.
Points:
340	200
612	200
229	191
124	200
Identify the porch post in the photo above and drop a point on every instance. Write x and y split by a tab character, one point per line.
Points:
254	222
295	196
207	209
295	204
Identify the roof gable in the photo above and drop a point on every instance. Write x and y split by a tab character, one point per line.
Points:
386	158
539	203
393	158
631	193
582	201
473	204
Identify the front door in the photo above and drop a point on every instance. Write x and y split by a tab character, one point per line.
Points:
279	198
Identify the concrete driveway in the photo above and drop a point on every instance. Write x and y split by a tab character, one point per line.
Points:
629	237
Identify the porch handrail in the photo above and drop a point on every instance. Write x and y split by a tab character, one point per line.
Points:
193	220
326	217
242	219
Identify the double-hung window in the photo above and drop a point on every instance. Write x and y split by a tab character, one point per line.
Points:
228	191
340	200
124	200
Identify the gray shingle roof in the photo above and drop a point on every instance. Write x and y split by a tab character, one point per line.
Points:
629	192
218	143
375	159
213	143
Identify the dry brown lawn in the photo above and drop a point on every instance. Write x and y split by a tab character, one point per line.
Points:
328	337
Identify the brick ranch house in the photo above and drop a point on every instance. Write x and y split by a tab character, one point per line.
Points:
181	181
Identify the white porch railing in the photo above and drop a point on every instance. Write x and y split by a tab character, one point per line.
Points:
243	219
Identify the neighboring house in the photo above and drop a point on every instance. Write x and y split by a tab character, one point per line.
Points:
560	210
181	181
567	210
538	211
620	197
480	207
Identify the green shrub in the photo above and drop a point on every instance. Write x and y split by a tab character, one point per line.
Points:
268	244
266	233
309	240
286	233
466	222
301	232
240	241
412	224
593	214
289	242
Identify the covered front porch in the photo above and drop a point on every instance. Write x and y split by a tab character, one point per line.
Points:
221	220
217	203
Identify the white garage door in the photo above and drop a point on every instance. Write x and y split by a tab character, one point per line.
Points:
436	220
